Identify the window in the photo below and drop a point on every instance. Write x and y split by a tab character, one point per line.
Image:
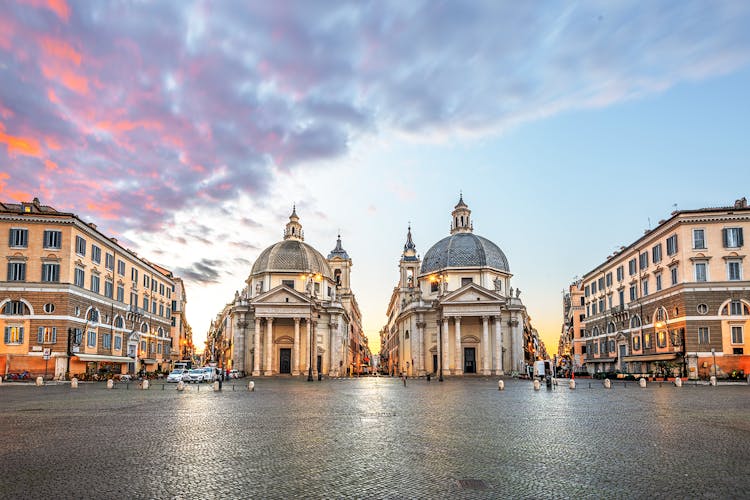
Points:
593	287
161	289
700	271
51	272
644	287
631	267
154	285
49	307
145	304
93	316
635	322
737	335
633	293
608	279
661	339
466	281
588	312
593	308
621	293
16	271
587	291
703	335
672	245
647	340
15	308
289	283
134	275
95	283
737	308
699	239
620	273
52	239
46	335
611	346
169	312
658	282
601	284
107	341
145	282
14	335
673	274
734	270
636	342
91	340
643	261
158	348
79	277
702	309
19	238
161	308
120	293
609	301
611	327
143	346
134	300
121	268
656	254
732	237
80	246
169	293
118	342
601	305
153	307
109	261
96	254
108	288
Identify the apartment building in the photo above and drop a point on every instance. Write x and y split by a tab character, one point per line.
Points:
570	351
675	301
73	301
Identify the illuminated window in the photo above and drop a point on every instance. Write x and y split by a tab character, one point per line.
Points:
14	335
46	335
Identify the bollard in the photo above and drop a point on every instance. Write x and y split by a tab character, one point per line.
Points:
39	381
180	385
607	383
589	385
1	380
537	385
678	382
642	382
251	386
162	386
144	385
74	383
572	384
110	384
500	385
711	382
217	386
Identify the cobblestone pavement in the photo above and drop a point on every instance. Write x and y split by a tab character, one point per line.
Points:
375	438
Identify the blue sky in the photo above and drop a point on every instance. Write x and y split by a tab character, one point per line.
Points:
188	129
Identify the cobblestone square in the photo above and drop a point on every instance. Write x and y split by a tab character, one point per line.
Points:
375	438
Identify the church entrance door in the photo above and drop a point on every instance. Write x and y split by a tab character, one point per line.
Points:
469	360
285	361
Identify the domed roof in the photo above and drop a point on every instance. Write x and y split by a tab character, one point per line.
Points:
464	250
291	255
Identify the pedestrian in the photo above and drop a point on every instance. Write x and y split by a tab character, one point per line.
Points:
403	377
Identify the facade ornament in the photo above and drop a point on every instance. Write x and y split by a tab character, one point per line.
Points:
511	292
257	288
498	285
518	292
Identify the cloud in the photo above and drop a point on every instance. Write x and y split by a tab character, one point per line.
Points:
202	272
139	110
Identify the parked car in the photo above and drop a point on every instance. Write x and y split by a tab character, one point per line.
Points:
234	374
178	375
209	373
195	375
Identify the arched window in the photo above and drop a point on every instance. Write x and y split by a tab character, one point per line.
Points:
161	332
118	322
611	327
660	315
735	307
144	328
93	316
635	322
15	308
337	276
595	331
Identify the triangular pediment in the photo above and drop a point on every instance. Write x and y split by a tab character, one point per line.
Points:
282	294
471	293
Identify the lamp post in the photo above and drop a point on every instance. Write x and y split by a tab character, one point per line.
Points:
309	277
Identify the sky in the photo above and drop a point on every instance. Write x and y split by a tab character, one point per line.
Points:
188	129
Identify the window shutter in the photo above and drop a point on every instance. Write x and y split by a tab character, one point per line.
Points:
54	334
7	335
20	335
40	335
740	242
725	237
8	275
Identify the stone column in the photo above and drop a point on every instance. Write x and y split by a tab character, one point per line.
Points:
269	346
332	356
295	350
485	345
421	355
256	346
498	347
458	358
446	371
307	344
239	343
314	347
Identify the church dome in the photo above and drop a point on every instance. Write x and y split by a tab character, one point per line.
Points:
464	250
292	254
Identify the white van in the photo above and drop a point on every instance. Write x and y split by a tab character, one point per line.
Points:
209	373
543	368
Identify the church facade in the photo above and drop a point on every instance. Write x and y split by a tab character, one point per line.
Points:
455	310
297	310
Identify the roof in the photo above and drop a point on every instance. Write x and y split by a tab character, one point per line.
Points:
464	250
291	256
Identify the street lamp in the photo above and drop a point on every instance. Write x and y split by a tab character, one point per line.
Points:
310	277
439	279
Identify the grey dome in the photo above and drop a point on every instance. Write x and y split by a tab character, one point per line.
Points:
291	256
464	250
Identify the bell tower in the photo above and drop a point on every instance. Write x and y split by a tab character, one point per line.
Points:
341	264
461	218
409	263
293	229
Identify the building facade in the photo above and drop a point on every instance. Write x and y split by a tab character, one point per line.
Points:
570	349
296	314
677	300
74	301
455	310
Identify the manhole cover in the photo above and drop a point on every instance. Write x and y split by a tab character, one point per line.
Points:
471	484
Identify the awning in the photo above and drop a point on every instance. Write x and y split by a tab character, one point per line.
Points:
600	360
650	357
99	357
148	361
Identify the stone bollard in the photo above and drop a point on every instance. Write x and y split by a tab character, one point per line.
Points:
74	383
500	385
642	382
110	384
180	385
40	381
144	385
217	386
678	382
1	380
572	384
537	385
251	386
607	383
712	381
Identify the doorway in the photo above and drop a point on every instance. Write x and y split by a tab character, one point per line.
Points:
434	363
285	361
623	364
320	362
470	365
